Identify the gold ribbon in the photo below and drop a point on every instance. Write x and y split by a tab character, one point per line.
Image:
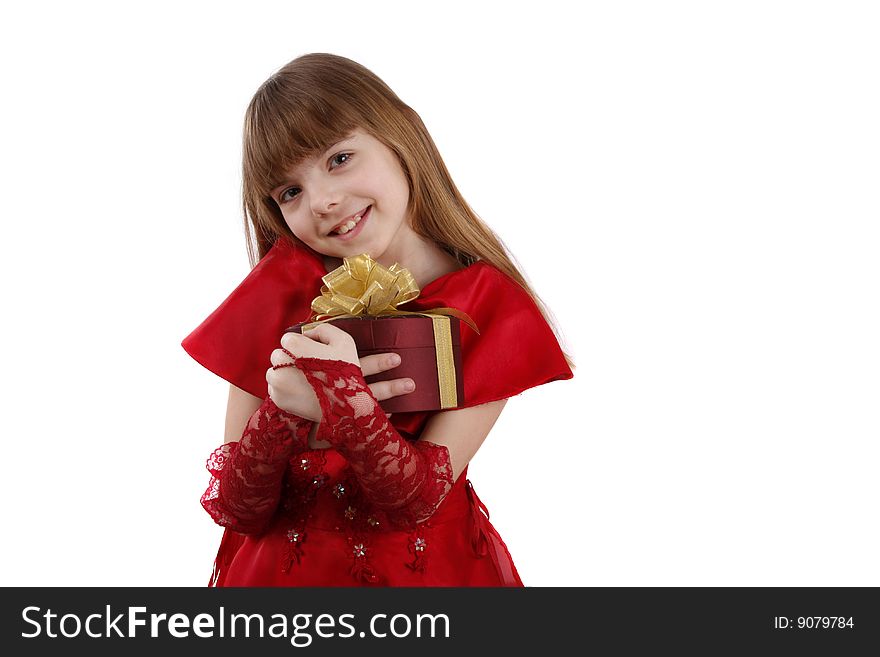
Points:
363	287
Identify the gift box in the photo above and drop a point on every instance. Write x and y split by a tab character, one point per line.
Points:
362	297
430	355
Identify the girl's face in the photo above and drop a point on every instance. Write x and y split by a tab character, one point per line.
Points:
357	180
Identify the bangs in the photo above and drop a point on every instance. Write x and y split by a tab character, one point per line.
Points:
284	127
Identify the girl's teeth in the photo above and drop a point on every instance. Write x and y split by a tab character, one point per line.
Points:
342	230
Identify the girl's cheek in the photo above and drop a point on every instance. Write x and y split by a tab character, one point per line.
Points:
296	227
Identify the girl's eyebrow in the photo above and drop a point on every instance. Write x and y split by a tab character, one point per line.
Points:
281	183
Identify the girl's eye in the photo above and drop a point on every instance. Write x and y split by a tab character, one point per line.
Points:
284	195
346	155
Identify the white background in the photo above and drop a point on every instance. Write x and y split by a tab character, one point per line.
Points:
692	187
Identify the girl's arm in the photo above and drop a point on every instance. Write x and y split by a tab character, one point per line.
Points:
239	408
407	480
462	431
248	469
247	474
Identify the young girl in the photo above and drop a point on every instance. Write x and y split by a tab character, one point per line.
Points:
316	485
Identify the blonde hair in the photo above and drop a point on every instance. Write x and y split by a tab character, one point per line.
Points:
318	99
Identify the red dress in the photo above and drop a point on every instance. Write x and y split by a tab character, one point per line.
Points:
317	536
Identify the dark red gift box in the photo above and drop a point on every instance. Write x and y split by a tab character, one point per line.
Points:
413	338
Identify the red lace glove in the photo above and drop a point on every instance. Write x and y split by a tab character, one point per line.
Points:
246	476
407	480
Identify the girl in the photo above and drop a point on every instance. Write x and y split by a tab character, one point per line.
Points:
316	485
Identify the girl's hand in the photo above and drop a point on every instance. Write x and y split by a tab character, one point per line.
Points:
323	341
291	392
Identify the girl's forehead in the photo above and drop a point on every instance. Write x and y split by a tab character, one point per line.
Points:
313	159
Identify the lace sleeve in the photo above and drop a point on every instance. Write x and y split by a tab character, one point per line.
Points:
407	480
246	475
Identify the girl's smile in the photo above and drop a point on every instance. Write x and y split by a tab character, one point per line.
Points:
345	230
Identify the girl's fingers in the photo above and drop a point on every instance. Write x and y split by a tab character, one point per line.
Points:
289	341
324	333
378	363
387	389
278	356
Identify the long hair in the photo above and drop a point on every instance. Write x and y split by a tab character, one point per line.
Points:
318	99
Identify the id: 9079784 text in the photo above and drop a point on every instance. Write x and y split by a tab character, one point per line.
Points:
813	623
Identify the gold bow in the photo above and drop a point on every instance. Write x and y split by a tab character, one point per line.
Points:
362	286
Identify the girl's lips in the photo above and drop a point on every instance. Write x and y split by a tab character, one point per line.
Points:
357	229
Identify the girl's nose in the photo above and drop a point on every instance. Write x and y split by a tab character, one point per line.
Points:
324	200
323	208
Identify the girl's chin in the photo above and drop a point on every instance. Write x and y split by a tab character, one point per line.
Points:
349	250
336	260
